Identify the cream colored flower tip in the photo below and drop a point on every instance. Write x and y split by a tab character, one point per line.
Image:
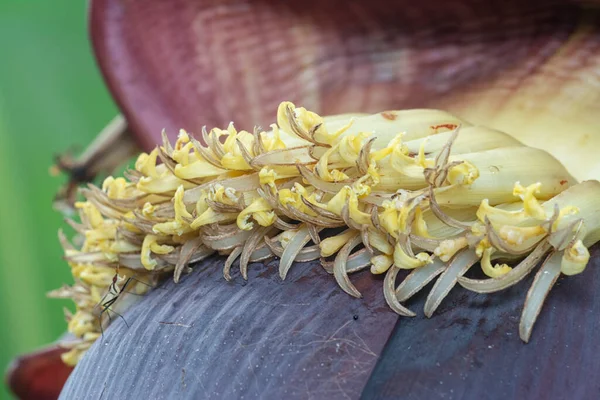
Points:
416	189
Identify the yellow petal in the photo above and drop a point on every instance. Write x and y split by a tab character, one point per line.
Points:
575	259
381	263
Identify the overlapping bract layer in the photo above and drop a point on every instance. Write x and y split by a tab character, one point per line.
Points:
417	189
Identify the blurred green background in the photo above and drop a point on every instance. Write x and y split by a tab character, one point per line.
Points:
51	98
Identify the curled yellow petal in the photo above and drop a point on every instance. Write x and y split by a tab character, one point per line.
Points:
146	164
448	248
495	271
333	244
260	210
149	246
97	276
381	263
464	173
210	216
115	188
499	216
575	259
179	226
516	235
404	261
419	226
531	204
91	214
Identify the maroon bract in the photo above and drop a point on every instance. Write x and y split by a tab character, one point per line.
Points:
39	375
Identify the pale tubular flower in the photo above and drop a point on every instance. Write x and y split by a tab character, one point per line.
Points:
415	124
333	244
471	139
565	245
499	169
381	263
413	189
516	235
449	247
403	260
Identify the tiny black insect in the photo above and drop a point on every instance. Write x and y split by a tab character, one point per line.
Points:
115	292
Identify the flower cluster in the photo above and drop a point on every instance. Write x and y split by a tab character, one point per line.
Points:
416	189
